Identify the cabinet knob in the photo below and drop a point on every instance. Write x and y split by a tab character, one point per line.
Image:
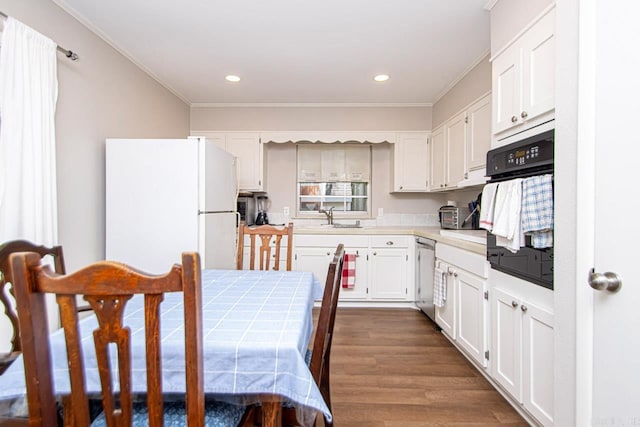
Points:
390	242
524	114
455	274
524	308
328	253
375	253
514	304
401	187
514	119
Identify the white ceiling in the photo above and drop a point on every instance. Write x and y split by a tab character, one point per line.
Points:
295	51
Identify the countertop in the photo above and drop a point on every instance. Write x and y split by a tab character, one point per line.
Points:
457	238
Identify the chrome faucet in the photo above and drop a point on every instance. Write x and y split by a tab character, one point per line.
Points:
329	215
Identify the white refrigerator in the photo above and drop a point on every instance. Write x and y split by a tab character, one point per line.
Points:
168	196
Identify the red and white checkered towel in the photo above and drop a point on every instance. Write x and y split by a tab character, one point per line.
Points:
349	271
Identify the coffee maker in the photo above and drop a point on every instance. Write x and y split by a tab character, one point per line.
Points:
262	206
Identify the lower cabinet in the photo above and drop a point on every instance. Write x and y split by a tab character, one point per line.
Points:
382	265
522	352
464	316
389	265
446	315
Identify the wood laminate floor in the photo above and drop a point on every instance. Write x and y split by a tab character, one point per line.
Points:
390	368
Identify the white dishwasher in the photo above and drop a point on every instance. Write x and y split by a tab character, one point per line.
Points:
425	264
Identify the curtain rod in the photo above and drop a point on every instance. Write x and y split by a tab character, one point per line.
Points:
69	54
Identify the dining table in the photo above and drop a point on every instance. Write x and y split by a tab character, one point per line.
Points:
257	326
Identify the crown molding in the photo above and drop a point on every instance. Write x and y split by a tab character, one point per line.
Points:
307	105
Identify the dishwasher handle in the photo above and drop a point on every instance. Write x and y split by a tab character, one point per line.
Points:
426	243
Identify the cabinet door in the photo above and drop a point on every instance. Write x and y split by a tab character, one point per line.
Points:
506	89
537	369
478	133
248	149
315	260
455	150
412	161
538	63
389	273
359	291
438	165
446	315
472	315
506	341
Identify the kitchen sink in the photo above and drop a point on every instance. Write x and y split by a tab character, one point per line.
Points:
356	225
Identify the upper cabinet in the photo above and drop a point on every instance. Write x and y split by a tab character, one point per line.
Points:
478	135
459	147
410	162
247	148
523	79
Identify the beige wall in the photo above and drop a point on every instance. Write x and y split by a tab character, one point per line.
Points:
101	95
472	86
310	118
509	17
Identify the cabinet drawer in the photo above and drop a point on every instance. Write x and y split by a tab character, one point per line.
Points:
390	241
313	240
472	262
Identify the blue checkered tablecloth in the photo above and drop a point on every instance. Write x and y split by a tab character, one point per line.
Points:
257	326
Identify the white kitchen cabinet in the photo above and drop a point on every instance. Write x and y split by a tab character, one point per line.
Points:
248	149
446	315
382	264
455	147
523	79
459	147
360	289
389	268
438	160
315	252
472	313
478	131
447	153
314	259
410	162
465	314
522	352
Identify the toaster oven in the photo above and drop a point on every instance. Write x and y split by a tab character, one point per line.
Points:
453	218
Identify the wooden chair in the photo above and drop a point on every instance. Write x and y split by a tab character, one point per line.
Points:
266	234
108	286
6	278
320	354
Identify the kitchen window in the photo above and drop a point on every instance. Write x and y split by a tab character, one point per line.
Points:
334	176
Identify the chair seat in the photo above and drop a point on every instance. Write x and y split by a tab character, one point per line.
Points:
217	414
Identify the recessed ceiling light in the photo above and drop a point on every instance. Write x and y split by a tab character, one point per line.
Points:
232	78
381	78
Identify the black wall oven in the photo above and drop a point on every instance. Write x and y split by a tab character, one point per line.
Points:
529	157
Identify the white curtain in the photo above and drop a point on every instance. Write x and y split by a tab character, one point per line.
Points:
28	95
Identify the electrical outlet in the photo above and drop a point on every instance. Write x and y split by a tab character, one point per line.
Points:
285	211
380	212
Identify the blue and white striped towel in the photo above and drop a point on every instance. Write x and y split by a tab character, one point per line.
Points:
537	210
439	288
